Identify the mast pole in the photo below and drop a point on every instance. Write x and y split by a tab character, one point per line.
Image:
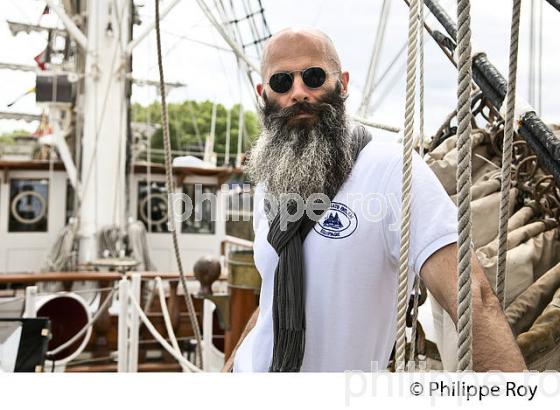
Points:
105	122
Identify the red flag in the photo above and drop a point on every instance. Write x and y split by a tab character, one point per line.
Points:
41	59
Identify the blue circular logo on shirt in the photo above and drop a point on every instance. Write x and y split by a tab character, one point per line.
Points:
337	222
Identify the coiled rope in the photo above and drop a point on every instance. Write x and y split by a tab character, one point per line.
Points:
464	66
507	153
169	186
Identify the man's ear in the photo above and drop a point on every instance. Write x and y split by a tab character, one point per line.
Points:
259	89
344	78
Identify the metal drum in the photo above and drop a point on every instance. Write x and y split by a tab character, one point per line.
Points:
244	284
68	314
242	272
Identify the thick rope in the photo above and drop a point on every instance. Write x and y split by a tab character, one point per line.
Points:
507	153
377	125
169	186
411	359
402	297
167	318
464	315
421	74
186	364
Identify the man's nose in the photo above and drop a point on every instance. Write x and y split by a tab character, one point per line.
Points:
299	91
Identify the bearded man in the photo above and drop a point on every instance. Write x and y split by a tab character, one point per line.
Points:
329	285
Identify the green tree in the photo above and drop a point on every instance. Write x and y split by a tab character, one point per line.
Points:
8	137
190	123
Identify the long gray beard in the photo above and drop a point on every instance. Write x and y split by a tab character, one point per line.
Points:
303	160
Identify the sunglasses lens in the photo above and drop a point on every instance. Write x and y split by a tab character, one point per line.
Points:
281	82
314	77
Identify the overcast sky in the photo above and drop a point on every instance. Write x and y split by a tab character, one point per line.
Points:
212	74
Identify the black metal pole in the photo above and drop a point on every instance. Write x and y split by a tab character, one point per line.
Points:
494	86
555	4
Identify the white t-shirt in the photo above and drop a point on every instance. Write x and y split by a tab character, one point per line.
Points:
351	265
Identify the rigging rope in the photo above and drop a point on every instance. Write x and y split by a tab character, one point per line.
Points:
507	153
412	362
374	59
402	297
464	315
169	184
421	79
238	52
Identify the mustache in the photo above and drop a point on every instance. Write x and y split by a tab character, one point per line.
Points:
331	102
275	112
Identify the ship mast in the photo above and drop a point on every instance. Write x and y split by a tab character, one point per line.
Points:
106	50
105	121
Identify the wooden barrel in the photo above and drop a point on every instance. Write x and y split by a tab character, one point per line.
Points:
244	284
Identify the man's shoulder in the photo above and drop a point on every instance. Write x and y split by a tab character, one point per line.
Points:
379	155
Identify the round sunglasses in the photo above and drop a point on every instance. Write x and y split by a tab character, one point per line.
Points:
312	77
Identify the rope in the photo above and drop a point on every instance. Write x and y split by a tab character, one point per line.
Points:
238	52
411	360
138	243
385	127
182	361
84	329
166	318
60	255
539	61
532	30
93	290
11	300
169	185
507	153
374	59
464	315
421	79
402	298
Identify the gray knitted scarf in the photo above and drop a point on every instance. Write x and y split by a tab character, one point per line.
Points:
288	305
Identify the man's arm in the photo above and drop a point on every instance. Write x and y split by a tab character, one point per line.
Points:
228	366
494	347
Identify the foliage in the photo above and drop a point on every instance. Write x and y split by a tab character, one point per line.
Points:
9	137
190	123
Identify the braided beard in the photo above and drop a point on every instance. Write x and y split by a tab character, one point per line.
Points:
303	157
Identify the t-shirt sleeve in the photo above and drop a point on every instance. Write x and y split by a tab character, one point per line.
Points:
433	215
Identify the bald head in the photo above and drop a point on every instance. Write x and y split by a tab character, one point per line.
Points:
301	45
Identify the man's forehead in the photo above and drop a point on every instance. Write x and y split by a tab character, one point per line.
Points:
298	49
